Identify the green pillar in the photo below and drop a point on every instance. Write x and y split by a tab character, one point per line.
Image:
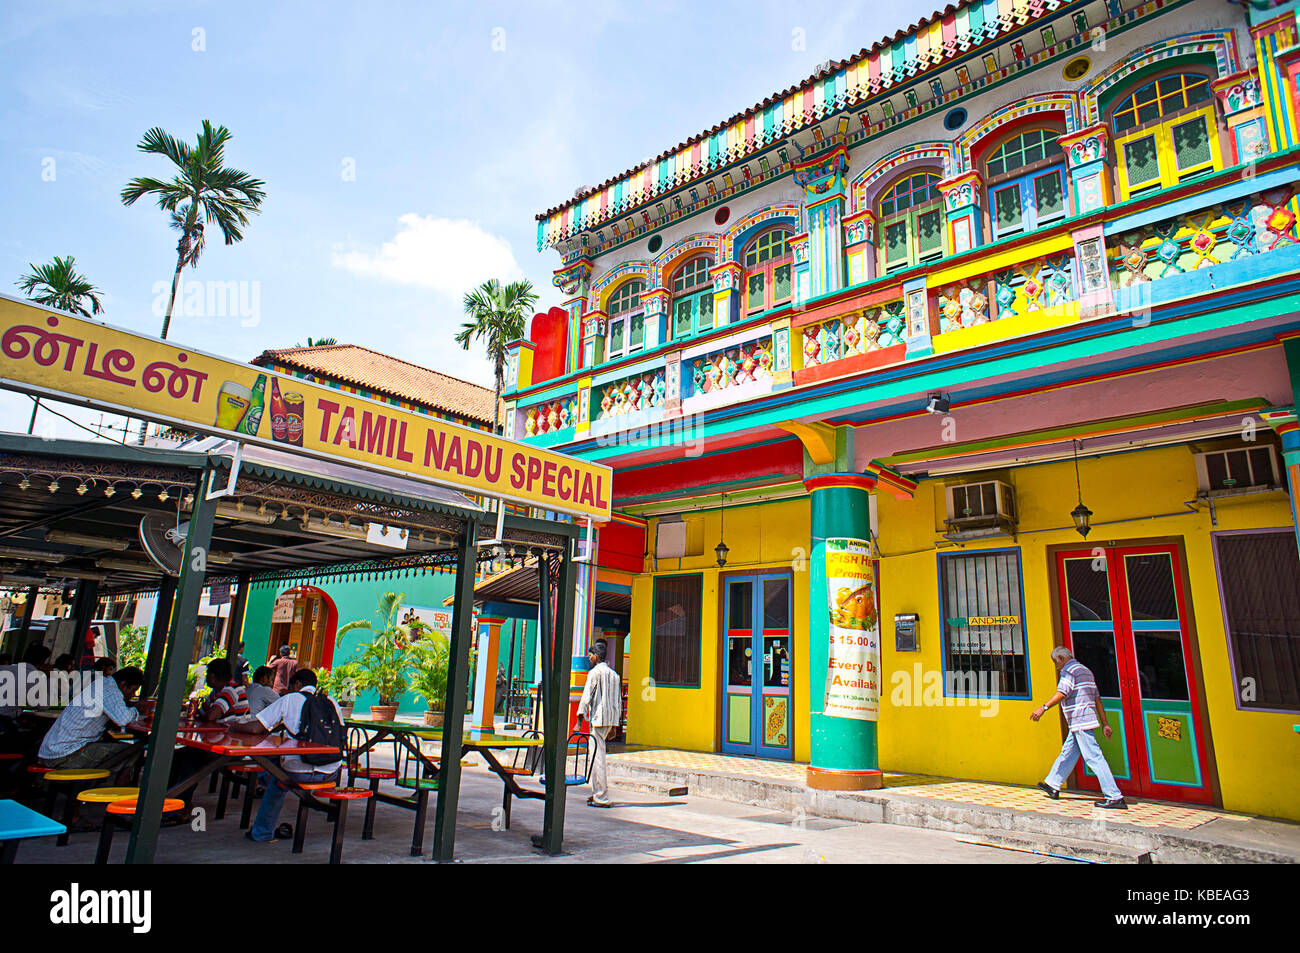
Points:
844	749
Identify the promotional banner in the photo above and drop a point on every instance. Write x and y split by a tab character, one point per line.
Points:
853	678
437	619
47	353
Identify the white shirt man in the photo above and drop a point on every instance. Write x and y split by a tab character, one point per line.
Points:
602	705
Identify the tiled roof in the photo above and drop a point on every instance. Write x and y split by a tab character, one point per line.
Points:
893	61
382	373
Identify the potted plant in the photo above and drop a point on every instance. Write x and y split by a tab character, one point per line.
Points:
383	665
343	686
429	676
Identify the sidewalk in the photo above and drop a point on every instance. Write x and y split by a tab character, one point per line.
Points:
1005	814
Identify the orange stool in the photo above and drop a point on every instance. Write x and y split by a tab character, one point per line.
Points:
119	814
233	777
374	776
338	812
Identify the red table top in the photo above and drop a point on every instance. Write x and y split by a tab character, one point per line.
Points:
219	739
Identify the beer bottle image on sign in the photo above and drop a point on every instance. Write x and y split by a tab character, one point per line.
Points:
253	417
279	422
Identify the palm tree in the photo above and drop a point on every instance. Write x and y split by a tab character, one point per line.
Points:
203	191
498	314
58	285
318	342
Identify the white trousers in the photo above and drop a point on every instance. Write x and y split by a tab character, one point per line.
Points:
599	783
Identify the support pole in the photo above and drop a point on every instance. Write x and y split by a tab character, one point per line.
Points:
25	630
83	612
235	625
162	617
453	726
558	705
167	712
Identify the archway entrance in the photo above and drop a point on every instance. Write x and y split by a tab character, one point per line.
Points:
306	619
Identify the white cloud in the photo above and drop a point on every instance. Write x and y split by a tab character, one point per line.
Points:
450	256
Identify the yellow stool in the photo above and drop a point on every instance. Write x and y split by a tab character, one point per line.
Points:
71	782
106	795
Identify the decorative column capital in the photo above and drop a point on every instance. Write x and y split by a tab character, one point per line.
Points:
1085	145
961	192
859	227
572	278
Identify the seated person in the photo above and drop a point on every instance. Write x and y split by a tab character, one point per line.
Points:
286	712
227	698
25	683
260	693
65	663
73	739
105	666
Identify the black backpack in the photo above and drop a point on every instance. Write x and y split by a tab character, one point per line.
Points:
319	724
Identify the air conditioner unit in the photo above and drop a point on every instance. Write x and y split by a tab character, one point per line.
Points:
980	509
1238	470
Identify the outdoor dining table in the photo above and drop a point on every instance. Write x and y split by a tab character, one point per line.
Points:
409	736
19	823
229	745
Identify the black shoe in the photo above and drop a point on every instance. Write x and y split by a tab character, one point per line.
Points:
1118	804
284	831
1050	791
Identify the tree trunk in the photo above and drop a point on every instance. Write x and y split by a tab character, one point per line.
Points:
496	395
167	318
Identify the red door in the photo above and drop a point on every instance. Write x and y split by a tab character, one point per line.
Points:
1124	616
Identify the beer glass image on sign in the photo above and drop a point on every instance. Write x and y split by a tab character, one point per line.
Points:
239	408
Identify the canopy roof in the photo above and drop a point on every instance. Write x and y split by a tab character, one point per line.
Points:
72	510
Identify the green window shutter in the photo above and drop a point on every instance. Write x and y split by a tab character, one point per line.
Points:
1006	207
615	336
1142	162
636	336
896	243
683	317
755	291
705	309
781	283
1191	144
929	233
1049	196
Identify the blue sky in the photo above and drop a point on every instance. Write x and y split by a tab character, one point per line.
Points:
406	147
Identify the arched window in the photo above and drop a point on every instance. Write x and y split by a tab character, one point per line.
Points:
692	291
1025	177
626	319
1166	132
767	271
911	221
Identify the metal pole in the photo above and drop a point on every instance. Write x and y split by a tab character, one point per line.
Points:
235	625
561	665
167	712
25	629
453	726
162	617
510	670
83	612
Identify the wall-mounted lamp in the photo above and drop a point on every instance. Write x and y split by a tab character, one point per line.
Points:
722	548
1081	515
939	404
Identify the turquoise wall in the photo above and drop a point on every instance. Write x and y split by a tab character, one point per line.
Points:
359	599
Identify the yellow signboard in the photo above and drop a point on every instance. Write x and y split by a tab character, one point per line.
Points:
51	353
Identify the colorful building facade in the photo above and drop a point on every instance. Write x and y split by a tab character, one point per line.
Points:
981	341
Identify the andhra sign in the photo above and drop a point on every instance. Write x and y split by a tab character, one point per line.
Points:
55	354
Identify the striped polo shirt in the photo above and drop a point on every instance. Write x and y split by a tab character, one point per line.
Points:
231	700
1080	690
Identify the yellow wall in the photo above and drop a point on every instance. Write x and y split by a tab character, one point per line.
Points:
1258	768
771	537
1256	752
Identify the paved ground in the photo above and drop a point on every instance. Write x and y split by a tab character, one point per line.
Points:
642	828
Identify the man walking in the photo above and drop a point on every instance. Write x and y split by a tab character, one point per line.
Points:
1077	694
602	705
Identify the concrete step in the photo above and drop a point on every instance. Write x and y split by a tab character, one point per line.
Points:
664	788
1163	845
1064	848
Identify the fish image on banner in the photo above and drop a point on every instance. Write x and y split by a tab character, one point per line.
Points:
853	675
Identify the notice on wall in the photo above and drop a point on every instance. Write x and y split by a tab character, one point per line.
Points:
437	619
48	353
282	611
853	676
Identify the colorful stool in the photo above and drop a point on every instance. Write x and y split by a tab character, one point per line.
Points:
374	776
338	812
69	782
233	777
119	814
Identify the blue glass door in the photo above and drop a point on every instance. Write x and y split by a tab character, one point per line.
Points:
757	694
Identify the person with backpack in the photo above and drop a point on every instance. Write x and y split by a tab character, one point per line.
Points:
307	716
